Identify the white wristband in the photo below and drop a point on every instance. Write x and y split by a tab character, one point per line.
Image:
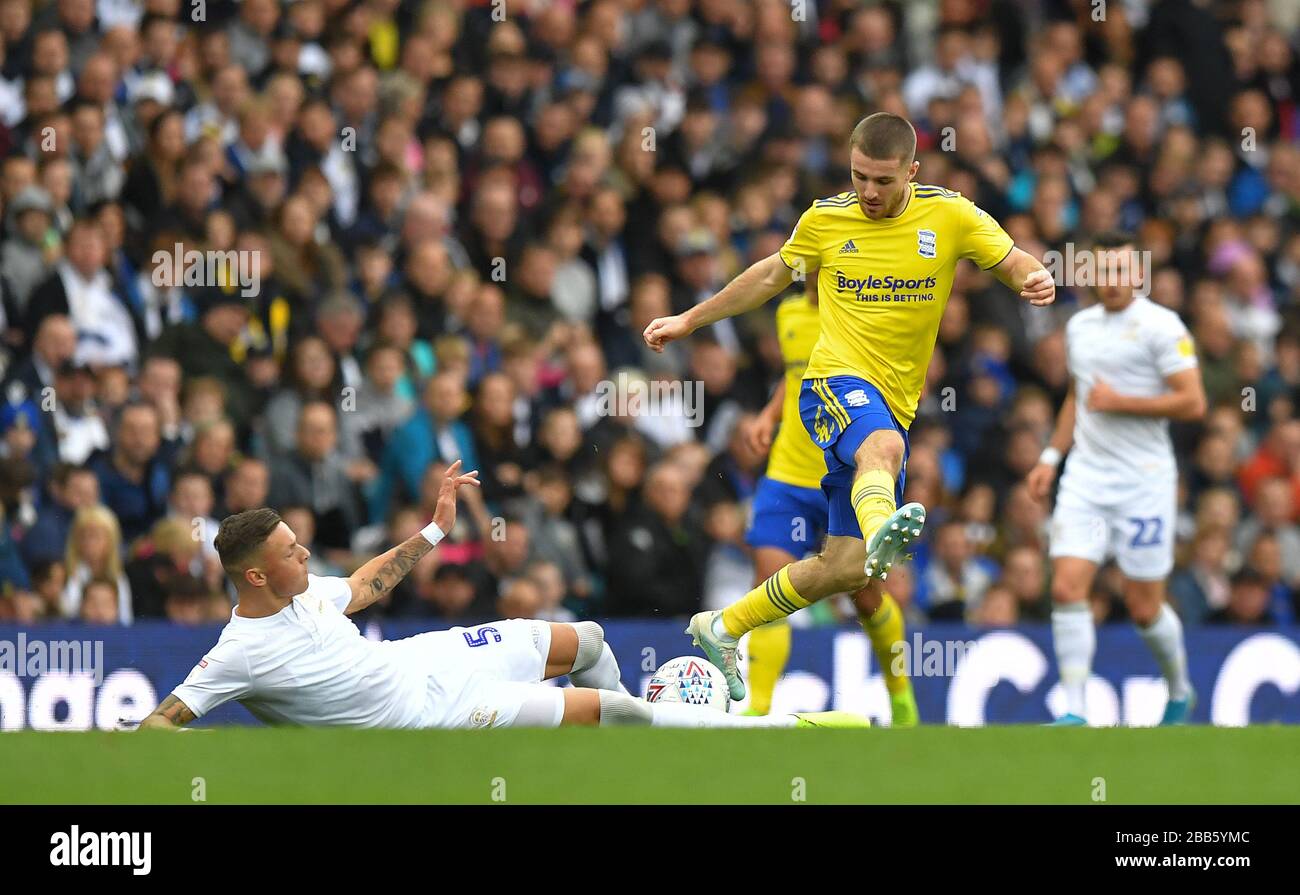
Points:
432	533
1051	456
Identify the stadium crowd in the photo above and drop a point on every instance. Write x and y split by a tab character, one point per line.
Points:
441	227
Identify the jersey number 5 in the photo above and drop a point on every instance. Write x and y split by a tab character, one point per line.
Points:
480	638
1148	531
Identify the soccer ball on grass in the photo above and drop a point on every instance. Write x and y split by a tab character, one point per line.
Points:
689	679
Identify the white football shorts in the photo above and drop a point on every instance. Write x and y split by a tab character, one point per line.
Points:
1137	529
486	675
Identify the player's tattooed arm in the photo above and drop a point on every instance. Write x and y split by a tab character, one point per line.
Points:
383	573
379	576
171	714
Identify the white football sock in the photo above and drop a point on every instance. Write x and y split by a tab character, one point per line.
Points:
1164	637
603	674
620	709
594	665
1075	640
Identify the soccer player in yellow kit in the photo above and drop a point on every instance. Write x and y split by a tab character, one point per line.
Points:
789	517
885	253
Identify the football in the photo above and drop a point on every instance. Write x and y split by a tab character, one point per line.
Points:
689	679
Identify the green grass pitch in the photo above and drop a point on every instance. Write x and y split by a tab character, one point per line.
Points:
1014	764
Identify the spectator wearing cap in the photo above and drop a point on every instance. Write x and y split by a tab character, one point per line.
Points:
135	474
204	348
79	430
315	474
27	256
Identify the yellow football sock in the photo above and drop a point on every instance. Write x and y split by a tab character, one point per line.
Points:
873	500
773	599
769	650
886	627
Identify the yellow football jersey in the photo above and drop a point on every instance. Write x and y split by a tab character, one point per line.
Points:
795	459
883	284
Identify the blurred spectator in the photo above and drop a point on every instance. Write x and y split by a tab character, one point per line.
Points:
95	551
70	488
315	474
954	581
135	476
435	432
99	602
1201	585
463	226
657	553
999	608
1248	602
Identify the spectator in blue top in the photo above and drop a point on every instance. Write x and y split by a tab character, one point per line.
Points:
435	433
135	476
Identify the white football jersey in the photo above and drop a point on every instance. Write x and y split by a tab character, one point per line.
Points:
1134	351
309	665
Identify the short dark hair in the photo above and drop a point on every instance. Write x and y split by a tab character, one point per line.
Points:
1113	239
242	534
884	135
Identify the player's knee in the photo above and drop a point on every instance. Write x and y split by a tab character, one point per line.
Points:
881	450
591	643
1066	591
848	576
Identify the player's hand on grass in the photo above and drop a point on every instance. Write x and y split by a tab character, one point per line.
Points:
1102	398
663	330
1040	480
444	514
1039	288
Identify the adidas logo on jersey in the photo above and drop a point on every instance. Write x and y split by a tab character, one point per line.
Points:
849	248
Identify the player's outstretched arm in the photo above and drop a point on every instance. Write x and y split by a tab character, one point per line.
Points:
384	572
1023	273
1040	478
171	714
755	285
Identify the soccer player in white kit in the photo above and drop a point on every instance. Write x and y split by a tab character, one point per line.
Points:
1132	369
291	656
